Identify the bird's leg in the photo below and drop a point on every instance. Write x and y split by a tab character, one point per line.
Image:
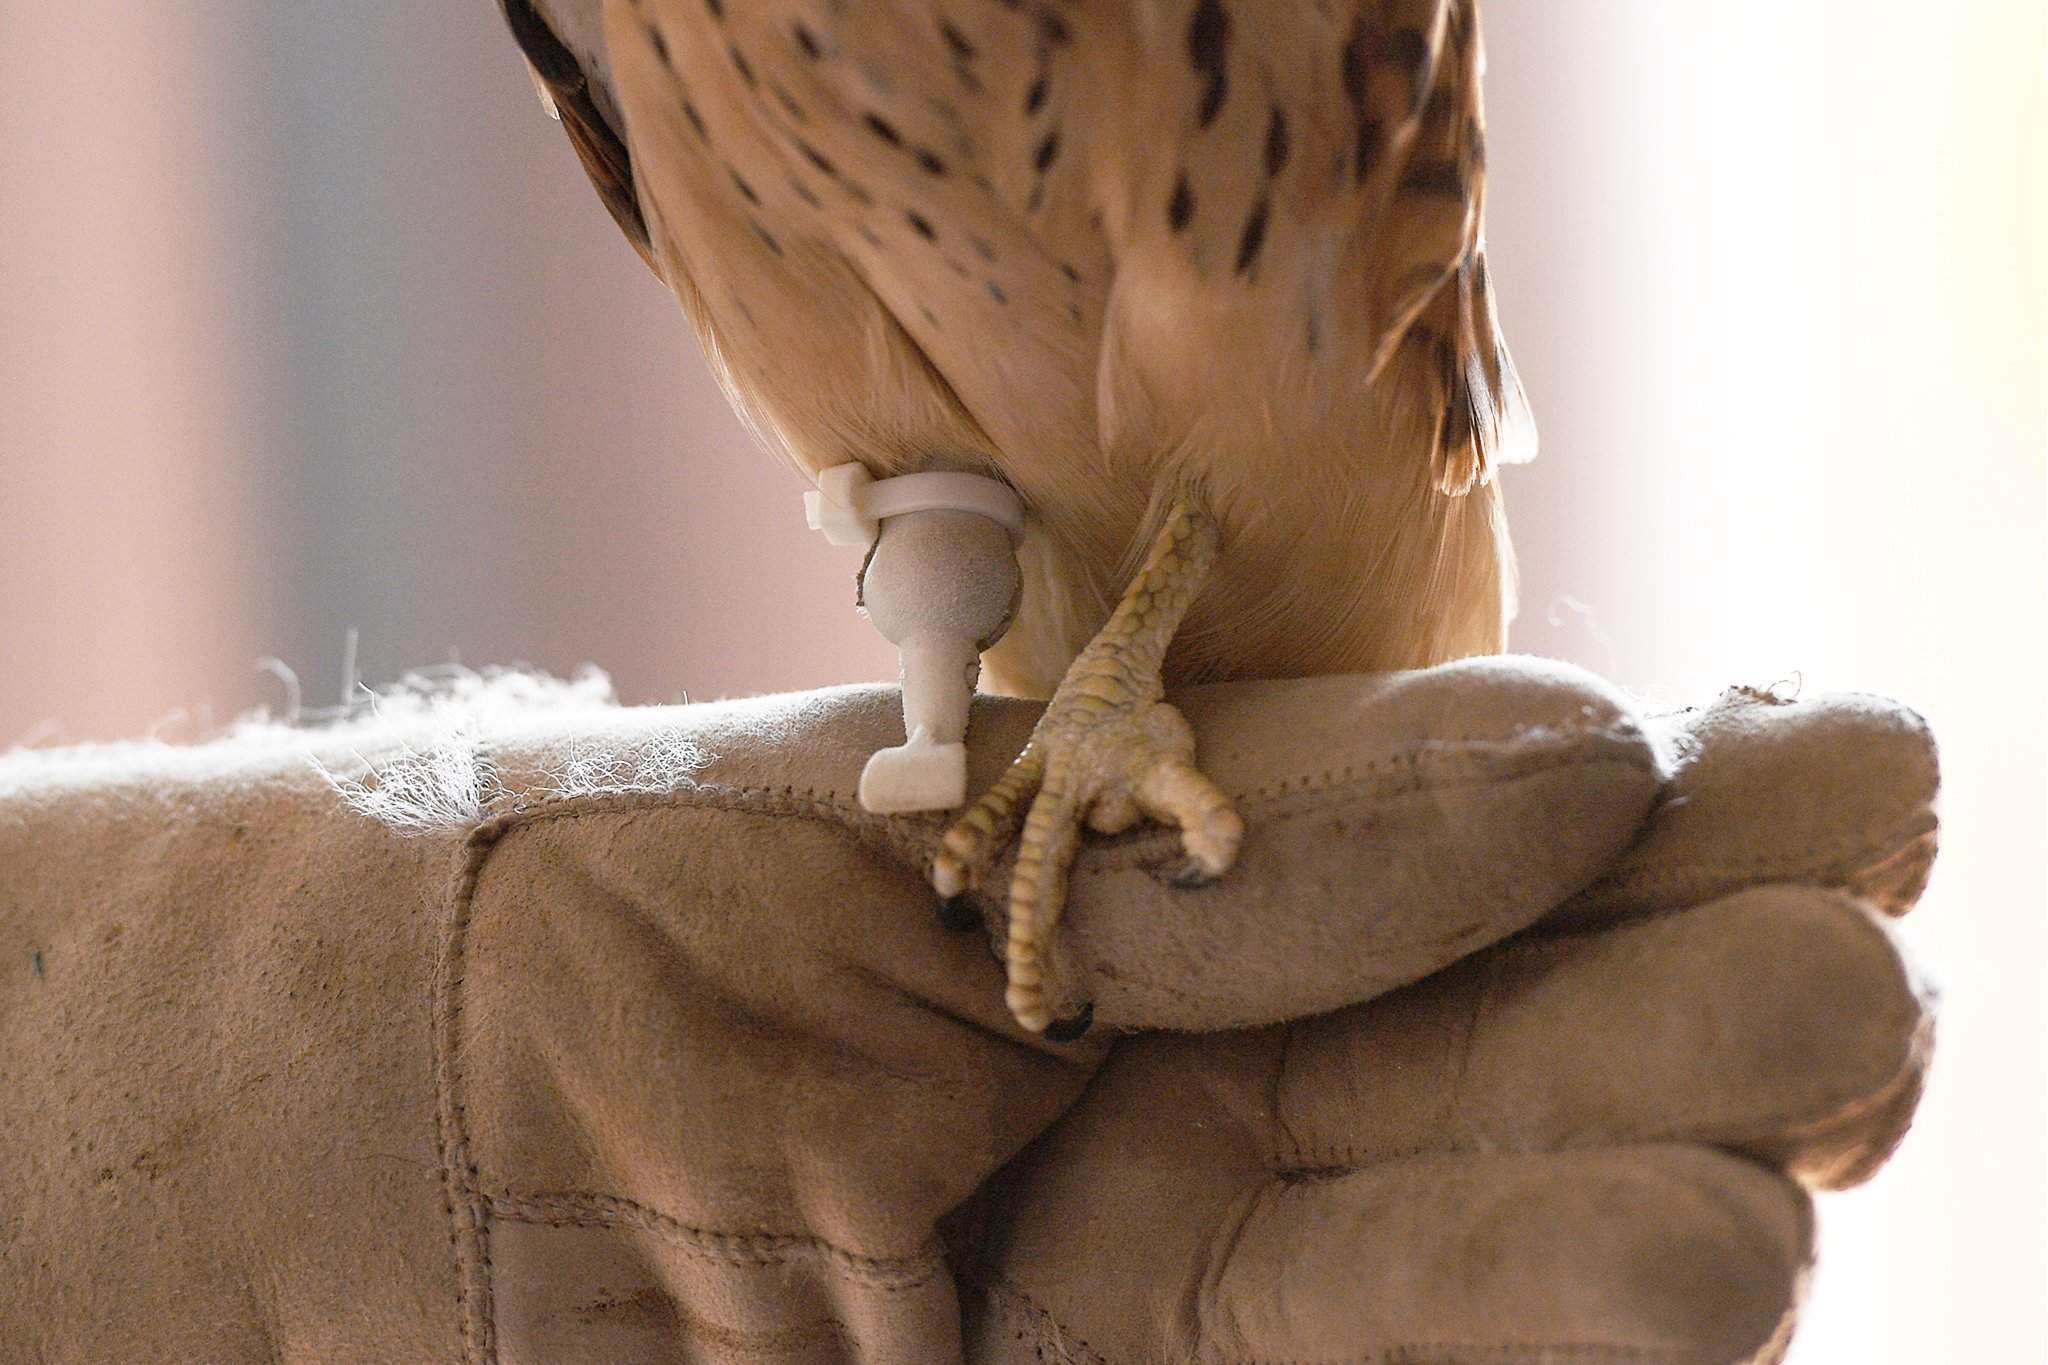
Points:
1106	750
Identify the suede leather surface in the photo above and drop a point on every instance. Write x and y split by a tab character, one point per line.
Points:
626	1035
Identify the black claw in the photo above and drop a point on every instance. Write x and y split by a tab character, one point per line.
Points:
958	913
1068	1029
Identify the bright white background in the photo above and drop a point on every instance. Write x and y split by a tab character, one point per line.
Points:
308	322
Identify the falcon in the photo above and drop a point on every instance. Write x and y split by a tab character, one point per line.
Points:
1203	282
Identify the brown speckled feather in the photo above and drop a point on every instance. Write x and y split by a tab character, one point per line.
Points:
1107	251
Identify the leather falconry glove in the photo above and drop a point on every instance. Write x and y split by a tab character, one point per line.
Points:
576	1033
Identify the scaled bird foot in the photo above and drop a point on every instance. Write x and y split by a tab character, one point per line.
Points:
1106	751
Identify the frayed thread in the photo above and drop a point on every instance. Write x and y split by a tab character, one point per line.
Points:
444	785
439	750
435	771
662	764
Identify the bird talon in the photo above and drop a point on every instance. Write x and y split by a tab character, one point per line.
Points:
957	913
1108	752
1073	1026
950	875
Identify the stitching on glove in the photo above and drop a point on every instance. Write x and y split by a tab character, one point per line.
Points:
911	839
1526	1353
1812	1112
1410	778
1889	832
1011	1299
1519	1353
1334	1163
1145	850
1835	866
1536	743
469	1208
890	1275
1410	770
468	1215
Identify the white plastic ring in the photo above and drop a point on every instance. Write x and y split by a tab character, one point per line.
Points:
849	505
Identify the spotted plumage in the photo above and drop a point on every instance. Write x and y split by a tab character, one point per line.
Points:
1130	256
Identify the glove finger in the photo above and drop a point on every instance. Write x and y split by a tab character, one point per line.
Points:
1781	1021
1393	824
1837	791
1673	1255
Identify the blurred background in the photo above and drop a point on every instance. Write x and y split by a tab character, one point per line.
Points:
309	325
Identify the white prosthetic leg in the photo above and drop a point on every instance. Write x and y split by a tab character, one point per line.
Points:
941	583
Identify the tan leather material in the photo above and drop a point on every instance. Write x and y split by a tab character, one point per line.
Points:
215	1049
1834	791
1433	1145
625	1035
1770	1015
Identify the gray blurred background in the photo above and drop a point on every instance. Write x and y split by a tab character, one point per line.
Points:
309	325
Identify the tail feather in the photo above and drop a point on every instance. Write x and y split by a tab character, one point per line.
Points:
1486	419
1434	307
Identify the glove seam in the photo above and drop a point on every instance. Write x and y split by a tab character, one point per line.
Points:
1447	1353
1398	771
1288	797
1815	1109
1884	835
1407	1353
891	1275
1307	1165
915	837
1541	746
470	1208
1832	866
468	1212
1150	850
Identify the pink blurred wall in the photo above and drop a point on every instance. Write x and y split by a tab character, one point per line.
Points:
132	532
308	322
